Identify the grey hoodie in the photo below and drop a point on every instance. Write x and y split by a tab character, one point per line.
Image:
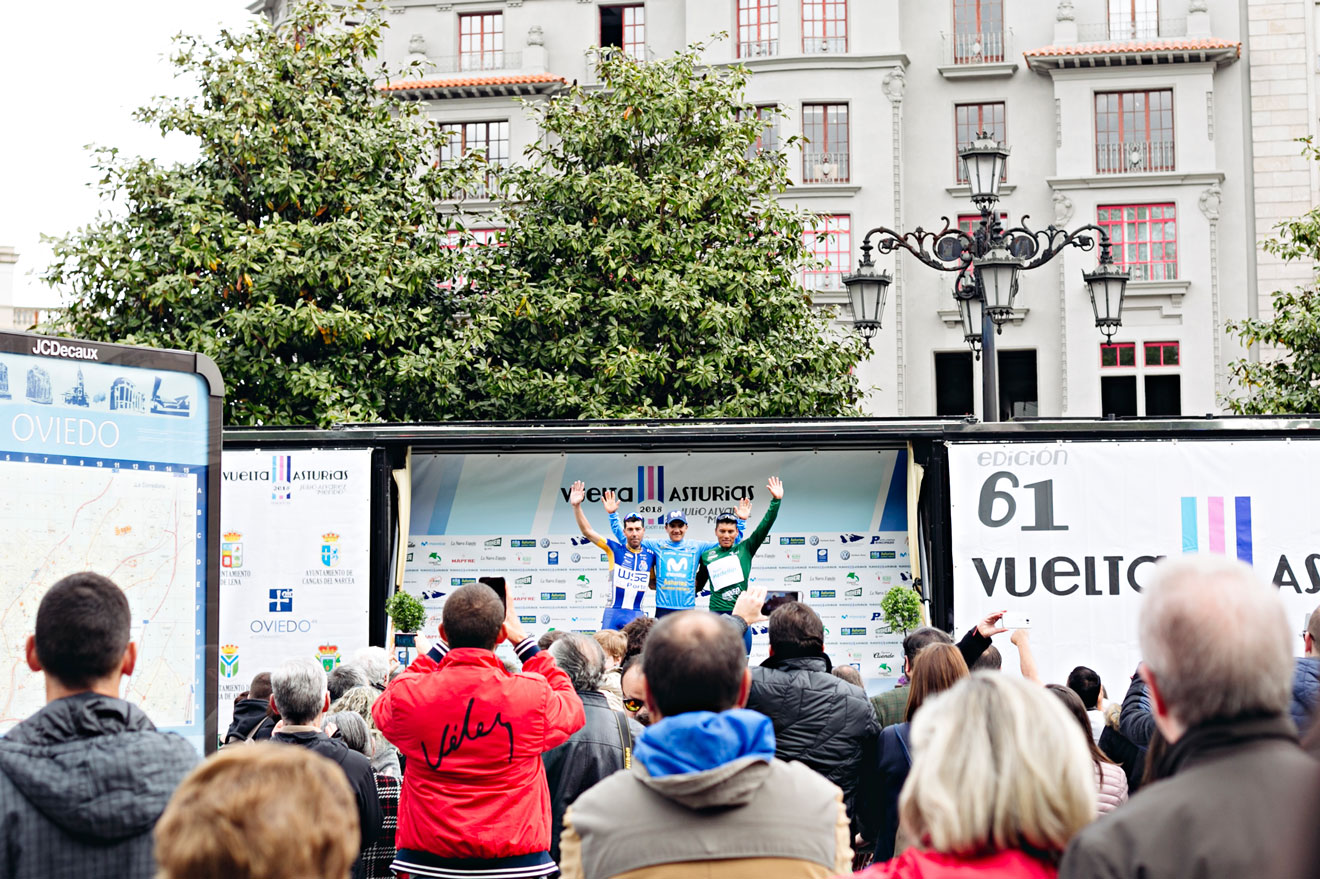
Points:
82	783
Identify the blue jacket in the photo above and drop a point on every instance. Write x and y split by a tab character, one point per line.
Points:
700	740
895	759
1305	689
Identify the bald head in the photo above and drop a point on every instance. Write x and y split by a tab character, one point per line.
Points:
694	661
473	617
1215	640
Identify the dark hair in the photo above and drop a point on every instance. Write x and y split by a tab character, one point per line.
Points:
82	629
629	662
938	667
473	616
796	630
694	662
636	631
1086	684
260	686
1153	767
990	660
549	638
1073	703
633	517
921	638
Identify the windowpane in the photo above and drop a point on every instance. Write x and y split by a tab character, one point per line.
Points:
969	121
758	28
1118	395
824	26
1018	394
1134	19
768	140
978	31
481	41
490	139
1134	131
954	387
825	156
1147	247
1163	395
830	241
624	27
1118	354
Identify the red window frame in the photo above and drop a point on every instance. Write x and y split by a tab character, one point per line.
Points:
634	31
1144	238
757	25
978	23
481	41
969	120
1118	350
768	139
1165	353
824	26
1134	120
831	240
1134	19
489	137
479	238
826	129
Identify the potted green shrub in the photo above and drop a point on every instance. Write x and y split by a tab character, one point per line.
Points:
902	609
408	615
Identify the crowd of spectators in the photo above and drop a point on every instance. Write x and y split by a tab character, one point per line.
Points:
657	751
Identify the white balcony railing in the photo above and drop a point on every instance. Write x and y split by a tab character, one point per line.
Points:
1134	157
475	61
1127	31
824	167
991	47
824	45
758	48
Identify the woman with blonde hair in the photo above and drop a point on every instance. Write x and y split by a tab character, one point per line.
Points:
936	669
1000	783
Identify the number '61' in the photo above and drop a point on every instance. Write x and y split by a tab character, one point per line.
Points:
1043	501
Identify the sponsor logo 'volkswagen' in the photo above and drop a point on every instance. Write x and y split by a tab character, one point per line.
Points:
844	554
576	557
545	543
814	540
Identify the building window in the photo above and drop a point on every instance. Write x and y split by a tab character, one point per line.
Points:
624	27
758	28
1133	131
824	26
825	155
1161	353
1134	19
831	243
1144	239
969	121
481	41
954	385
1156	393
1019	395
472	238
768	139
490	139
1117	354
978	31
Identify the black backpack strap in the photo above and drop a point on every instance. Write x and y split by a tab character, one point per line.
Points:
625	738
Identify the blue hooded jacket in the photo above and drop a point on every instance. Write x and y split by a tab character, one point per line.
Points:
702	740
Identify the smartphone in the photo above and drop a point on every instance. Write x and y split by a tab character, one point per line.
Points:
1015	620
497	583
776	597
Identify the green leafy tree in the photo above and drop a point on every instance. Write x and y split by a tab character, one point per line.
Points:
1287	384
301	250
902	608
647	268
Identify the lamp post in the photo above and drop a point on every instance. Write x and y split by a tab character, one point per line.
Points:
988	260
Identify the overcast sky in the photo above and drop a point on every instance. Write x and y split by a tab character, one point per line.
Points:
71	74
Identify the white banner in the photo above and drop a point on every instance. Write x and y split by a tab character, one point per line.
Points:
840	540
294	561
1066	534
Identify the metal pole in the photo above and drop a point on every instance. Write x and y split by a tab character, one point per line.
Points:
989	371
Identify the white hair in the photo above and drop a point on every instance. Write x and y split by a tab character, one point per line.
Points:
582	660
997	764
299	689
1216	638
375	661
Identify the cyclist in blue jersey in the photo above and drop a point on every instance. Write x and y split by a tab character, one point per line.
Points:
632	565
676	569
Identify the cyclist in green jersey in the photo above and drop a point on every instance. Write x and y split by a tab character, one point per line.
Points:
727	566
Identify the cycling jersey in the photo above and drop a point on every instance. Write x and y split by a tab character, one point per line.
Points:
630	575
727	570
676	567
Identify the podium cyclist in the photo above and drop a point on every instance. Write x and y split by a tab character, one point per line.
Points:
632	565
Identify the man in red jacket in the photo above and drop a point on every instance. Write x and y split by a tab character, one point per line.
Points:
474	800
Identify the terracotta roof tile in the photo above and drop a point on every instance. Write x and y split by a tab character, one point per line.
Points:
462	82
1132	48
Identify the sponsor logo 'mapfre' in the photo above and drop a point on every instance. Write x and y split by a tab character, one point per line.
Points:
852	631
228	660
231	550
54	348
330	549
281	600
792	541
329	656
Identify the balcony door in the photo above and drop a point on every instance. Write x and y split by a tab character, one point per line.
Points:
978	31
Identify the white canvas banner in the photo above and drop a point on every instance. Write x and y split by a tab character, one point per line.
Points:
1066	534
294	561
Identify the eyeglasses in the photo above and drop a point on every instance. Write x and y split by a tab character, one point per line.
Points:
633	705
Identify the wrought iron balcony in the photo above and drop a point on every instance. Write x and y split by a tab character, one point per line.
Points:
758	48
1134	157
824	45
829	167
991	47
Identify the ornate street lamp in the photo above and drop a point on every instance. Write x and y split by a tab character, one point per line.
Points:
867	289
989	260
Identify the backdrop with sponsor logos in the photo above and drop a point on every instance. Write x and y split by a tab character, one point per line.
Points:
294	561
840	540
1067	533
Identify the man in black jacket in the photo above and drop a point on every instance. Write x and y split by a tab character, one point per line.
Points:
84	780
604	744
819	720
300	695
1237	796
